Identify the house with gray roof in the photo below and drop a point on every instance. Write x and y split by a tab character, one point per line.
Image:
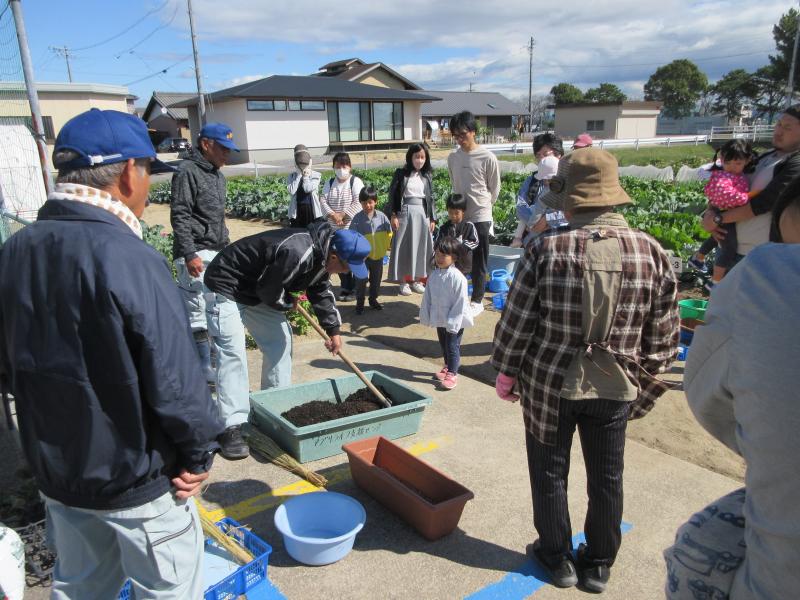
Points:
327	114
491	110
163	119
357	71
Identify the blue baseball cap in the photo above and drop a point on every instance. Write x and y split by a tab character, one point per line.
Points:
353	248
220	133
105	137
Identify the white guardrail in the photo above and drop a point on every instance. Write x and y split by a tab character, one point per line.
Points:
523	147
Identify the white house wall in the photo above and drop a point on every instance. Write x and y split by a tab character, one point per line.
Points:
412	124
273	134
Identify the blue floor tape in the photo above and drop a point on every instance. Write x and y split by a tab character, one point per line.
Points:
525	579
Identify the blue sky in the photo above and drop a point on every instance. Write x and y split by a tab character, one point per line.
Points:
441	45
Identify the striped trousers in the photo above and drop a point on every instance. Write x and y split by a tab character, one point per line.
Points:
601	425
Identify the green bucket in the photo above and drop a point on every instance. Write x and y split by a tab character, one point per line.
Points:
693	309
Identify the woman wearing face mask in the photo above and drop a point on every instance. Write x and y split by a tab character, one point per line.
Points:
340	204
413	221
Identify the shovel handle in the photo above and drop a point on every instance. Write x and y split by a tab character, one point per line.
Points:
344	357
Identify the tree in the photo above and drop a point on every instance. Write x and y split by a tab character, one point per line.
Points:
605	93
783	32
678	85
539	110
770	91
566	93
732	92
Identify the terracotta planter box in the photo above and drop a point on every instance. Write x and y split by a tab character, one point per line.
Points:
424	497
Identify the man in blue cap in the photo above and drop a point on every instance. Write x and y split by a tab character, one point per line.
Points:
197	213
115	418
263	271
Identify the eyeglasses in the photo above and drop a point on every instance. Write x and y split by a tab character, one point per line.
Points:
557	184
459	134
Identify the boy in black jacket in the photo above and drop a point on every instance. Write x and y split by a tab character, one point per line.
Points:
464	231
261	272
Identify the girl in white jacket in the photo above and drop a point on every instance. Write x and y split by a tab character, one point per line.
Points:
445	305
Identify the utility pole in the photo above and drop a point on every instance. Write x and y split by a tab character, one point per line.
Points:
790	85
530	84
33	97
198	76
65	53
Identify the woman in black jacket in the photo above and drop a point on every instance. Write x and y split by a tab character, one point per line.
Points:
413	220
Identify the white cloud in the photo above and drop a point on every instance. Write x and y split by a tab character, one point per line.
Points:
239	81
620	41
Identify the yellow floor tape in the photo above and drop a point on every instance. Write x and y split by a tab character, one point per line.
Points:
261	502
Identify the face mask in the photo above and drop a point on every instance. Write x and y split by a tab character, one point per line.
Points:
342	172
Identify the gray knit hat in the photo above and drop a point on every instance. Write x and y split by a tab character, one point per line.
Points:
301	156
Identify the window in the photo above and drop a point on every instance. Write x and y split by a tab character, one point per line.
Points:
47	124
279	104
260	105
306	105
388	120
349	121
595	125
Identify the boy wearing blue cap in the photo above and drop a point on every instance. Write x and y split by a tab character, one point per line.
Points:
261	272
115	417
197	213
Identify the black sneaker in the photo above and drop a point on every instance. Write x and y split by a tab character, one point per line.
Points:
375	304
359	309
233	445
593	578
562	574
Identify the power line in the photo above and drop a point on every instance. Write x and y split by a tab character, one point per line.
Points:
157	73
151	34
650	64
124	31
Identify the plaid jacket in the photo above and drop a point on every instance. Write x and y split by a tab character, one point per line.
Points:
540	330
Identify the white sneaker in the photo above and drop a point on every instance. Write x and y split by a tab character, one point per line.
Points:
405	290
418	287
476	307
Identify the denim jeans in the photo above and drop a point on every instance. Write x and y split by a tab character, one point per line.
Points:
273	335
158	546
222	318
451	348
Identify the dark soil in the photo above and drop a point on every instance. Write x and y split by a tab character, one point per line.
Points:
319	411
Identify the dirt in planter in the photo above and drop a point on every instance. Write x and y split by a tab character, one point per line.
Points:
319	411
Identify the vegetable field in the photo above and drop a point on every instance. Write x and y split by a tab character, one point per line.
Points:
667	211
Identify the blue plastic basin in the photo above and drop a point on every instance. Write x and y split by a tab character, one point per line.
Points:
319	528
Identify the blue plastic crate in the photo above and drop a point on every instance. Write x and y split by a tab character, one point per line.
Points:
245	577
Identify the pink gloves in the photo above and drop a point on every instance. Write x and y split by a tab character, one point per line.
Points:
503	386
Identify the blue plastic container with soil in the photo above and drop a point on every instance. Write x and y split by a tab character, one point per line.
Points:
321	440
233	584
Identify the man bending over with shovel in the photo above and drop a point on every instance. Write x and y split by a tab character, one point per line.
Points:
261	271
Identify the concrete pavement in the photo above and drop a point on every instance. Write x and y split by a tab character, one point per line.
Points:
477	440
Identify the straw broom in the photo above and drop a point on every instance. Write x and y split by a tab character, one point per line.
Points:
267	448
227	541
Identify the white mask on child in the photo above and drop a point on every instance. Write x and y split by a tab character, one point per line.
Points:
342	172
